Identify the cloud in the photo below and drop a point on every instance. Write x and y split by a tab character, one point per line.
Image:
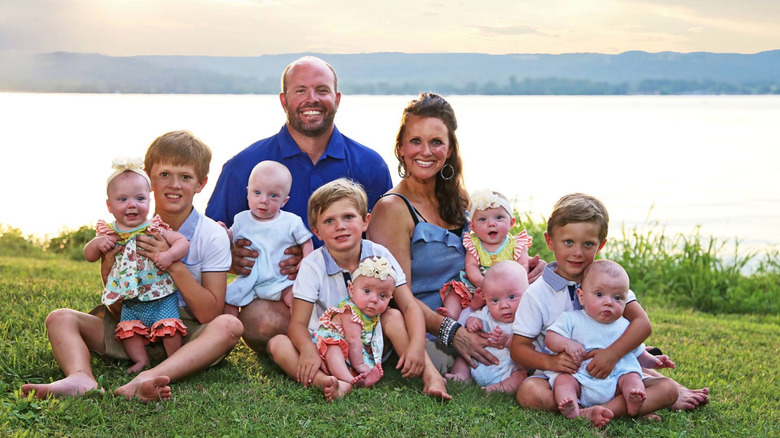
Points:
508	30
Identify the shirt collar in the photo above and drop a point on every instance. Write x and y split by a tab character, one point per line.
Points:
553	279
187	229
336	147
366	250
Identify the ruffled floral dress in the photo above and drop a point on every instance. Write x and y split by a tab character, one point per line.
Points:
329	333
512	249
136	279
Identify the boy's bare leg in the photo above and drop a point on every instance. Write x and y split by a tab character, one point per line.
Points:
217	339
460	371
72	335
262	321
536	394
394	327
284	353
136	349
337	365
687	399
633	390
510	384
566	390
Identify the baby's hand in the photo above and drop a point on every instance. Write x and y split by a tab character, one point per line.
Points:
163	260
575	350
473	325
499	338
105	243
663	361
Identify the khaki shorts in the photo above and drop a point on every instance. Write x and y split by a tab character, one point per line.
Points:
442	357
156	351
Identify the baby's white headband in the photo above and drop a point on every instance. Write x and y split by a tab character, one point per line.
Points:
122	165
377	267
484	199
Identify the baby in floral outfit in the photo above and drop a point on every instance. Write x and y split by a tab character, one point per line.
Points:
145	291
349	338
488	243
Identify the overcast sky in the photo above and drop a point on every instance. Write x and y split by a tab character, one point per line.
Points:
259	27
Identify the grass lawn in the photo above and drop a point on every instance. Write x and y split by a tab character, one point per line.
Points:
246	395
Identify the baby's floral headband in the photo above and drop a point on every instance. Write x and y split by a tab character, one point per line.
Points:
377	267
127	164
484	199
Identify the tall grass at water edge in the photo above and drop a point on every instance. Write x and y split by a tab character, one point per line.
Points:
685	271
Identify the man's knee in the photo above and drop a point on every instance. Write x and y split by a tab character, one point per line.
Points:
230	325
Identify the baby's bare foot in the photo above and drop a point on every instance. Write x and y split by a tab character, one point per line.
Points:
455	377
634	400
146	389
569	408
72	386
372	377
137	367
599	416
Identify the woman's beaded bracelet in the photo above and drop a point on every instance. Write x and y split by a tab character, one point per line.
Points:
447	331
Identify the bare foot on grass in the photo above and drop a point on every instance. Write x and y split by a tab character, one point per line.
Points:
436	386
372	377
634	401
334	388
146	389
688	399
569	408
75	385
455	377
599	416
650	417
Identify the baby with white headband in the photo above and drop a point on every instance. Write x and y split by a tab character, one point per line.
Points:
488	243
349	338
143	288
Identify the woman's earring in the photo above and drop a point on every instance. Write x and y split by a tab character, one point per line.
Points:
452	172
402	168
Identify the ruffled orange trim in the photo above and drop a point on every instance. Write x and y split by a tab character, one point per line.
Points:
167	327
326	320
324	343
157	224
128	329
460	289
523	242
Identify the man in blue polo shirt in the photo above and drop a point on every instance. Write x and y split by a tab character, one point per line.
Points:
315	152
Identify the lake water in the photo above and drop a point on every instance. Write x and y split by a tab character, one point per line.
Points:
684	161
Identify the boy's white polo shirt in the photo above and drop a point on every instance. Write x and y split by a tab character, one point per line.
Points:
321	281
209	247
542	303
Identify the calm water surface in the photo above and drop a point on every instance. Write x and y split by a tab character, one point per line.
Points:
683	161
